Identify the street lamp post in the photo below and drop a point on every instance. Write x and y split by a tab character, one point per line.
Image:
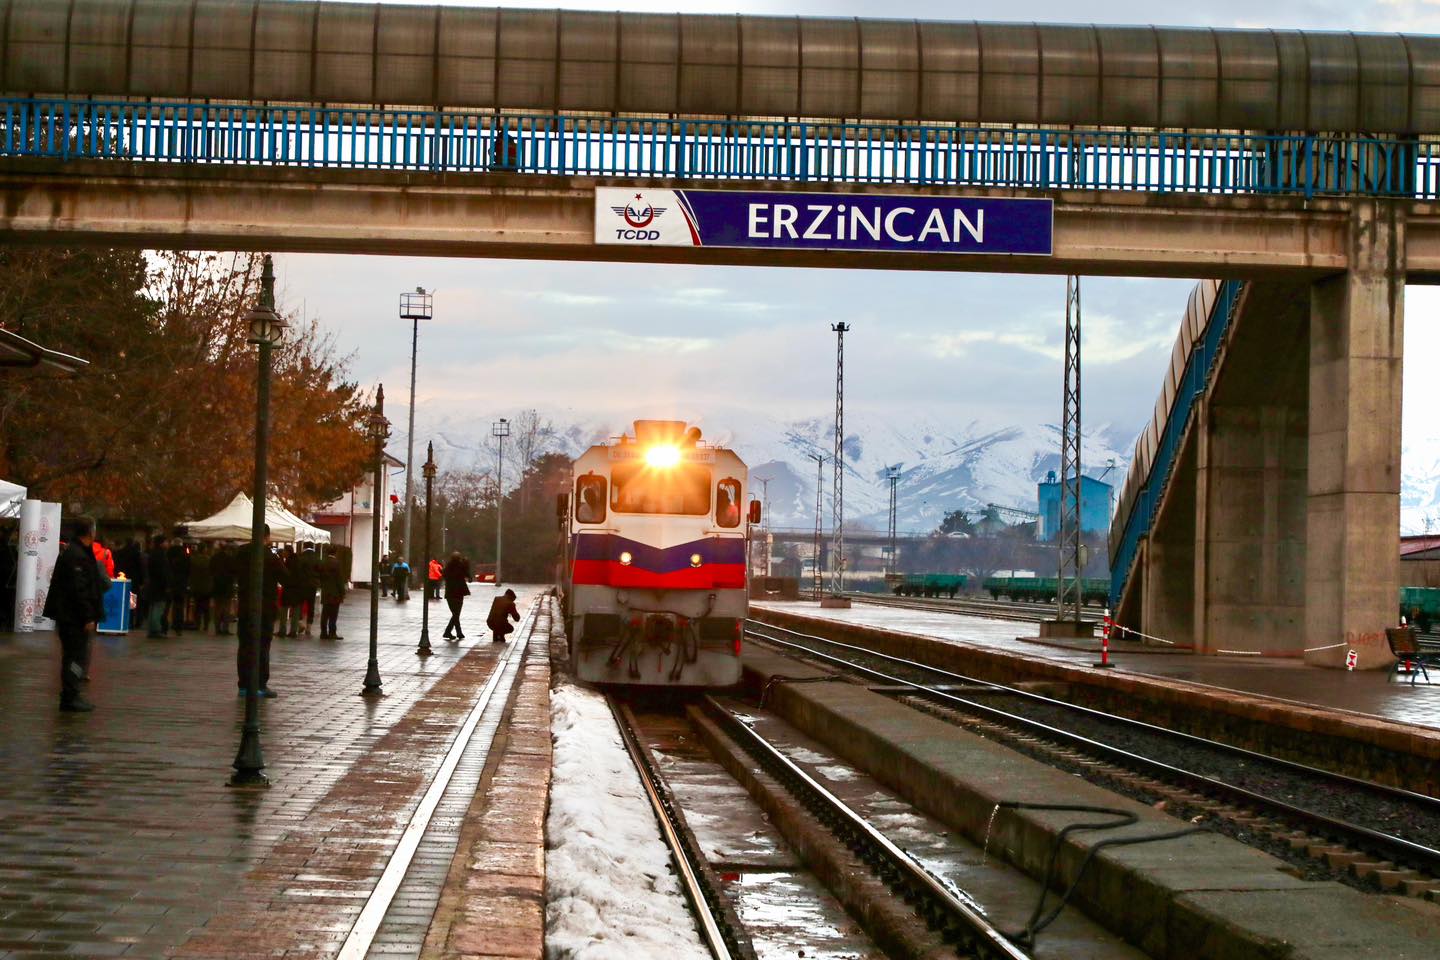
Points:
266	327
377	428
414	307
424	648
500	430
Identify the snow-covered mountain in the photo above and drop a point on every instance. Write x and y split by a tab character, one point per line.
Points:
943	466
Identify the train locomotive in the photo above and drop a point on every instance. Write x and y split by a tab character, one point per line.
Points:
653	574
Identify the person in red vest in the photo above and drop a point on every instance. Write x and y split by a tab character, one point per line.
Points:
437	573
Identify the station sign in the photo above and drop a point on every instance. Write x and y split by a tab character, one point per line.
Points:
824	221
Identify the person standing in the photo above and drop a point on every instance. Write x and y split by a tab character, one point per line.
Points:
457	588
386	563
179	585
251	633
307	581
222	596
157	587
76	602
502	611
400	579
202	585
332	594
436	577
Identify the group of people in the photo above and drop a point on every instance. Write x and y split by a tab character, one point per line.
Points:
179	588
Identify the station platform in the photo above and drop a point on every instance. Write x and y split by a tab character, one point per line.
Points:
120	837
1369	693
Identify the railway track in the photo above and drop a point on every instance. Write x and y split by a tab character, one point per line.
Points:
994	609
943	912
1364	831
720	927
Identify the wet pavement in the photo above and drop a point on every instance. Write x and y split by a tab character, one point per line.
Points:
1368	692
119	837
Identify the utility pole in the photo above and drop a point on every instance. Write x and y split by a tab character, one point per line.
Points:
893	475
414	307
837	523
819	459
1068	593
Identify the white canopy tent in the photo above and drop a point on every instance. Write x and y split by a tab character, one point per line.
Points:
11	496
233	523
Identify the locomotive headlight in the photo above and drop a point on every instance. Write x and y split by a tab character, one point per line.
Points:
625	558
663	457
695	560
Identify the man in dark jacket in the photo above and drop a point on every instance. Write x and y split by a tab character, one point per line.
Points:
222	576
457	587
179	585
502	611
157	587
305	581
249	632
333	584
76	602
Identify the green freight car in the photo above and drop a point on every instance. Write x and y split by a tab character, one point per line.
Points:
1420	606
1093	590
928	584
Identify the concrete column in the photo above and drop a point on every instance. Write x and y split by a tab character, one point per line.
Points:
1352	563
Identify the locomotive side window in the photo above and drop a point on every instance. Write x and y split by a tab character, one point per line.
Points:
727	503
680	490
590	499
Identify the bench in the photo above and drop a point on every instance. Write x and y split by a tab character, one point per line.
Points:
1410	658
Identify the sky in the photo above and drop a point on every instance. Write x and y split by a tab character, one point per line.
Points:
588	340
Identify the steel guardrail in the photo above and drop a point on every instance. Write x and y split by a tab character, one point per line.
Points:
1391	847
798	151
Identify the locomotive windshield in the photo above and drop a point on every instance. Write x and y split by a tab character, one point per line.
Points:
679	490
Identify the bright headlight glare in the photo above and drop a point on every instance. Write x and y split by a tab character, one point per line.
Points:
625	558
695	560
662	456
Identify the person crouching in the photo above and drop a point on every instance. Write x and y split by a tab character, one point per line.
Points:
502	611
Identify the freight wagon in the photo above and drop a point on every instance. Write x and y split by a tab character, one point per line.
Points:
927	584
1093	590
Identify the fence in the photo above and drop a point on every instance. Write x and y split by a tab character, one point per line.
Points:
445	141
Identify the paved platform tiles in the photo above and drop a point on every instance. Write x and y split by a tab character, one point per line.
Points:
1366	692
118	836
1196	897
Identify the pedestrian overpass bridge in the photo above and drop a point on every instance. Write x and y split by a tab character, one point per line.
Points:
1301	168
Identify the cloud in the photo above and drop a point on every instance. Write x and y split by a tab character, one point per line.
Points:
565	298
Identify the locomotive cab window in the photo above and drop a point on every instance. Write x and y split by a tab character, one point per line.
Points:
727	503
590	499
679	490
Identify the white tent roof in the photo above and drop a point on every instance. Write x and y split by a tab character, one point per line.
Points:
233	523
11	495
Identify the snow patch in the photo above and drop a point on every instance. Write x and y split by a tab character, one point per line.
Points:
837	773
609	888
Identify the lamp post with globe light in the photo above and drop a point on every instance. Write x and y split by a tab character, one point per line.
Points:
266	328
377	429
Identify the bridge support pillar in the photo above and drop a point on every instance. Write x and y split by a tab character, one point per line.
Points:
1352	516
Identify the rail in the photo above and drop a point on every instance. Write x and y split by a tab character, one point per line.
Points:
959	922
1139	511
1389	846
799	151
718	926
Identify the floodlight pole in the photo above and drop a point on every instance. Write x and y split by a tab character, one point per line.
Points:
1068	593
837	532
819	459
424	648
414	307
500	430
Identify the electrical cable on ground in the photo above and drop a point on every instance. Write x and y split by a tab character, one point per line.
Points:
1039	919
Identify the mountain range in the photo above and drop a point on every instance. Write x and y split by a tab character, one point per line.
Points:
943	466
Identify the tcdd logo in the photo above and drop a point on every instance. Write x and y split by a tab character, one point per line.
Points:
638	215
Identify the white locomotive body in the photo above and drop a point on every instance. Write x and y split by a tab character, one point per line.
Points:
654	571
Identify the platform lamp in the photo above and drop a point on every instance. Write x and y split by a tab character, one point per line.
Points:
377	430
266	328
499	430
429	470
414	307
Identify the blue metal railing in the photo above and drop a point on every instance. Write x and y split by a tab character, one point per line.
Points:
1193	382
798	151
